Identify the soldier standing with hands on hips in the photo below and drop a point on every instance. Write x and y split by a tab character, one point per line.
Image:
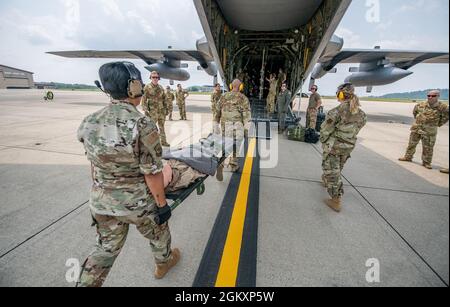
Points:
125	152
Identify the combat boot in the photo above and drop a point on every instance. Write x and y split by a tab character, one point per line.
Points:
235	168
162	269
427	165
444	171
405	159
165	144
219	174
334	204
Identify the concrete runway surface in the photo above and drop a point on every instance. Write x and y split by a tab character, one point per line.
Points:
394	212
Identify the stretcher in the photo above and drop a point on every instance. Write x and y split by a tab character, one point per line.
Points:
178	197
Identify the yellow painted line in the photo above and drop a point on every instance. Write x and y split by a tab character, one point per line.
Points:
229	266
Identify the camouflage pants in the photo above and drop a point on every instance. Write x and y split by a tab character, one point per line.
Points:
237	132
111	235
311	118
428	142
271	103
162	129
282	121
170	109
332	168
182	108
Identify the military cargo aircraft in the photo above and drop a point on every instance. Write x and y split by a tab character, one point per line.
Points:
244	39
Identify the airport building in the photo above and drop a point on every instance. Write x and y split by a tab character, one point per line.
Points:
14	78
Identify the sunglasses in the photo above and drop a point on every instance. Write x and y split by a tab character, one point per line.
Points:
155	78
432	96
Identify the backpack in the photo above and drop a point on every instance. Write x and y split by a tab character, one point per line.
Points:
296	133
311	136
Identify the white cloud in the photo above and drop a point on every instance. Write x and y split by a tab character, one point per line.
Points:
351	39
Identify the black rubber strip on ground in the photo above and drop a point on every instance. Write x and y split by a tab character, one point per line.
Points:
209	266
249	252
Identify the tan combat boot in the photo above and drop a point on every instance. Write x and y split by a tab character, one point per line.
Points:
219	174
165	144
334	204
444	171
405	159
427	166
162	269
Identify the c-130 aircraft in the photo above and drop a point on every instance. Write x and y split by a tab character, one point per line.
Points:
244	39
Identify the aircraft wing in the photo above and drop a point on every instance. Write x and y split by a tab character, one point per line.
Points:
401	59
149	56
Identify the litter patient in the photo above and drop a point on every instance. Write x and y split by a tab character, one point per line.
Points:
185	166
178	175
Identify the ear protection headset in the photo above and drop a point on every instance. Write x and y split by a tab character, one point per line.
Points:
241	87
135	87
341	95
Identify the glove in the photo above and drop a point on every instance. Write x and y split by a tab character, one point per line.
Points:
164	214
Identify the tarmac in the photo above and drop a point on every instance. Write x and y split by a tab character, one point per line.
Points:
396	213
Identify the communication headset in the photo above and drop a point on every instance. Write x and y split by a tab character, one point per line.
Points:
241	87
341	95
135	87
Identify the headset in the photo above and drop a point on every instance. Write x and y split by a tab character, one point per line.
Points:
135	87
241	87
341	95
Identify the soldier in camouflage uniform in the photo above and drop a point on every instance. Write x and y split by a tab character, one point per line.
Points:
170	98
429	116
315	101
284	100
154	105
215	98
181	96
233	113
338	136
271	98
124	149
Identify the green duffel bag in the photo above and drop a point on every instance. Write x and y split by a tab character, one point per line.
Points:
296	133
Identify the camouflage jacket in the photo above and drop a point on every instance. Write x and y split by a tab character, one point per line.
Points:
170	97
284	101
340	130
123	146
429	119
233	108
181	96
215	98
154	101
314	101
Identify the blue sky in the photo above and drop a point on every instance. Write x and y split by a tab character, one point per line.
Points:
30	28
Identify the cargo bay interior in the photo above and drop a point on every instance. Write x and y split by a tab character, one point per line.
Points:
253	39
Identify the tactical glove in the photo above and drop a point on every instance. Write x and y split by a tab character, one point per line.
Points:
164	214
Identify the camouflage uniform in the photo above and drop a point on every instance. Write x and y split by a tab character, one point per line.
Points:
154	106
338	136
170	98
122	146
272	97
215	98
284	100
181	96
313	110
425	129
233	113
281	78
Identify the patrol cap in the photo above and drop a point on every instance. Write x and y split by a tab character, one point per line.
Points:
115	78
